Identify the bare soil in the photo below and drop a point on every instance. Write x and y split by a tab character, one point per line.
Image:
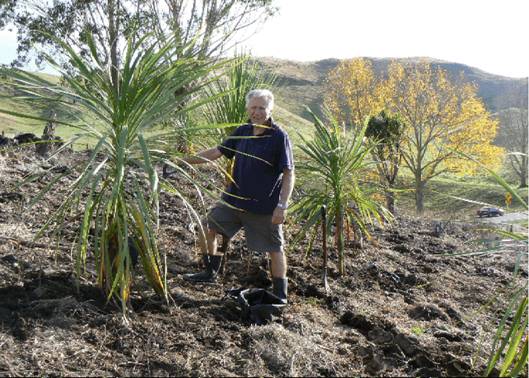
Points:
402	309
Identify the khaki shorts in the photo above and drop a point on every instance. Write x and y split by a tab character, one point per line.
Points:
261	235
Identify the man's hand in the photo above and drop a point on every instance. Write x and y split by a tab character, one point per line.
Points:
279	215
168	170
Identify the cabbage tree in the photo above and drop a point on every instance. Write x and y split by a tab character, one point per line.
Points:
334	164
117	188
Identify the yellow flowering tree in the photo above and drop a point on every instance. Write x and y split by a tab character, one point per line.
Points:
351	92
442	115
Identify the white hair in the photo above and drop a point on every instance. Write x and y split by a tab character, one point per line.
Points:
261	93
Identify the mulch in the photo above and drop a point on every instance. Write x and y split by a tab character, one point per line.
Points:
404	307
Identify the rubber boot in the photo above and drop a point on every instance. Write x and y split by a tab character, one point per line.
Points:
280	288
210	274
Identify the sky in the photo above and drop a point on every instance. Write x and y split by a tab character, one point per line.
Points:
485	34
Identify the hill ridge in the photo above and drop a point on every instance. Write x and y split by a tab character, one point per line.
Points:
301	83
410	58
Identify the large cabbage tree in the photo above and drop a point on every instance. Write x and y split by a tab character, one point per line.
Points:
118	185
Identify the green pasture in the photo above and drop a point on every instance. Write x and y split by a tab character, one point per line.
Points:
451	197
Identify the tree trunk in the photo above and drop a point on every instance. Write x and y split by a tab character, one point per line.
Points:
523	170
390	202
339	241
419	196
48	135
523	175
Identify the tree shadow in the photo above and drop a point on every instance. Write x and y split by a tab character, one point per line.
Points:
47	299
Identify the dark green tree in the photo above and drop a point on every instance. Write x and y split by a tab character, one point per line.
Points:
513	135
386	131
199	30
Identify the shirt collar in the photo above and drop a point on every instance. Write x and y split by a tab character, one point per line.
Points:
269	122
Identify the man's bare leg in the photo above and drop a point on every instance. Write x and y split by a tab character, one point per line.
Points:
207	241
208	245
278	265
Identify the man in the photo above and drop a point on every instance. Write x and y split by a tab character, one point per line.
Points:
257	199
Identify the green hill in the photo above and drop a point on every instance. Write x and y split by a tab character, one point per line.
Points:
11	125
292	123
301	84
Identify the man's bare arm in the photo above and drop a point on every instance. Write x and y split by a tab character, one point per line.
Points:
204	157
287	186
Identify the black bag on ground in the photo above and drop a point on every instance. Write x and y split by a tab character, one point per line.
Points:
259	306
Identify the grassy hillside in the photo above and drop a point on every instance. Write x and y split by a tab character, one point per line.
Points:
293	124
11	125
301	84
450	198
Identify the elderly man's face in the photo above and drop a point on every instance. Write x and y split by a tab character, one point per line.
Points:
257	110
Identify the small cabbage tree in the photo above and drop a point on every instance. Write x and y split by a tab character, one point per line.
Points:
117	189
510	342
336	161
228	94
228	105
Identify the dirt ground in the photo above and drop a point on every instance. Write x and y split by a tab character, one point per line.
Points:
402	309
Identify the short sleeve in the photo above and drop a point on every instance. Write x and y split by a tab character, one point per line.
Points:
229	145
286	156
